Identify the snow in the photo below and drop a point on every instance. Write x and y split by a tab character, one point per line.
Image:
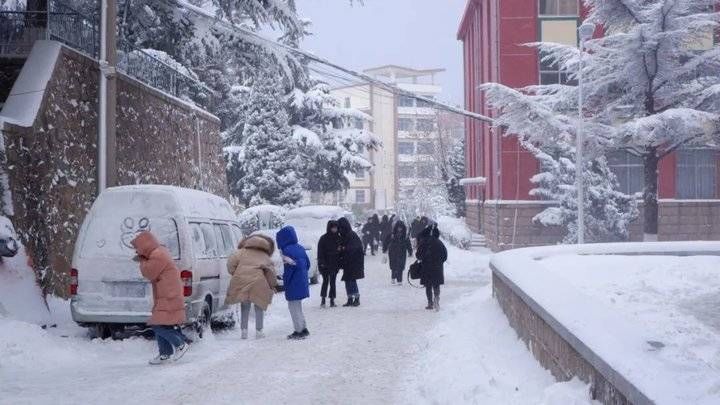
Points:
326	212
385	351
473	180
23	103
618	305
455	230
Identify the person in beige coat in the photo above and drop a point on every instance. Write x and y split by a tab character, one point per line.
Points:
253	280
168	311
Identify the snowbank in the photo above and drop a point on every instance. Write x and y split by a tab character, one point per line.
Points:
262	217
455	231
616	333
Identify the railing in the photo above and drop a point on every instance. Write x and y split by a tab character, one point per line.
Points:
20	29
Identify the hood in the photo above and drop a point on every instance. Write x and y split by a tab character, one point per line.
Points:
427	231
258	242
385	219
399	228
344	226
435	231
286	237
331	224
144	243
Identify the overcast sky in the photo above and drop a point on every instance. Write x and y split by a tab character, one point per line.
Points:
415	33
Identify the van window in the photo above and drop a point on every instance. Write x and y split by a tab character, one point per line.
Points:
197	240
111	235
222	232
211	249
237	234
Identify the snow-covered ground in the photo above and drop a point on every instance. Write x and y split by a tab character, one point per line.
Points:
389	350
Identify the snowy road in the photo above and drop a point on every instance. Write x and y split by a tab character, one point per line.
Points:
386	351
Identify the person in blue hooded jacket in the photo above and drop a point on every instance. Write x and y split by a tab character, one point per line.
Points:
295	278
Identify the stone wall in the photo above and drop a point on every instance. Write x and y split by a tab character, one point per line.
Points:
509	225
52	168
473	216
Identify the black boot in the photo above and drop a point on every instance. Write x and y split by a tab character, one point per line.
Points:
356	302
349	303
332	303
322	303
429	306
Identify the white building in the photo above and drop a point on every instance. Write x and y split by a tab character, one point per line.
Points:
406	126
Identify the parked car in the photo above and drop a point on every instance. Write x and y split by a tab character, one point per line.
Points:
199	229
310	223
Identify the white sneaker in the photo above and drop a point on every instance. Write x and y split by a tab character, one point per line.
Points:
259	334
160	359
180	351
244	334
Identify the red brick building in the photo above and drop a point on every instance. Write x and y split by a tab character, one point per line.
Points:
492	32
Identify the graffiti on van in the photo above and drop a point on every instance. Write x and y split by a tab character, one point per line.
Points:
131	227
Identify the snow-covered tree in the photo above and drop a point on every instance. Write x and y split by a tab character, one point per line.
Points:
650	82
429	198
261	149
334	138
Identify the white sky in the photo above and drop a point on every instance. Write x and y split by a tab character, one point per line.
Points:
416	33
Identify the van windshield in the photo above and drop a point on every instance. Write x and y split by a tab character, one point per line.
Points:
118	219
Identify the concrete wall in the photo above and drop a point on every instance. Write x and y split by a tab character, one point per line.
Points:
52	165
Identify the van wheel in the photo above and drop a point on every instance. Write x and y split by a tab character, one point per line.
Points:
314	279
101	331
202	325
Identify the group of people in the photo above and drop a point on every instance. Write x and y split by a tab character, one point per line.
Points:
254	282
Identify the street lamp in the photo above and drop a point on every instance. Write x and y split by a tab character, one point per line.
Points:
585	32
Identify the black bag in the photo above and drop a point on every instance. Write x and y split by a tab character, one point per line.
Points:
415	270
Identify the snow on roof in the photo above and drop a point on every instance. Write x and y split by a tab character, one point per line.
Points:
316	211
192	203
23	103
473	180
401	71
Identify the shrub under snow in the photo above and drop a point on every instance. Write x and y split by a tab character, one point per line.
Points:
455	231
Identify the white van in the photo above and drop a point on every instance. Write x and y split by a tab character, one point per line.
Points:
199	229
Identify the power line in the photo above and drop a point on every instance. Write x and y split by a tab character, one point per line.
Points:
365	78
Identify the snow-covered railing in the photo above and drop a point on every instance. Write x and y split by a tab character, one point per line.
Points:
470	181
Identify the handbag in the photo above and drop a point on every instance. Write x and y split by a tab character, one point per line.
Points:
415	270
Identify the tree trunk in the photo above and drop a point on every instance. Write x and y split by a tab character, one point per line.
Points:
650	194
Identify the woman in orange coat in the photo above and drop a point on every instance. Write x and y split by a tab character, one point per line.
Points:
168	310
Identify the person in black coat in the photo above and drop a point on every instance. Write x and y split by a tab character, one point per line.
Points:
352	261
367	236
398	248
385	231
432	254
328	259
415	228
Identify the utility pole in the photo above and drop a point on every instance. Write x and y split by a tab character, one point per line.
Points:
106	142
585	33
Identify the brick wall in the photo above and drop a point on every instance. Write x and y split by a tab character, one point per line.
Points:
689	220
473	216
52	168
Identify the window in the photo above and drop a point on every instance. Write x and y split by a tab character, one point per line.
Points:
424	104
696	170
360	174
629	171
237	234
198	241
360	197
426	171
358	123
558	7
405	101
425	125
550	73
224	239
406	148
347	102
425	148
406	171
208	234
405	124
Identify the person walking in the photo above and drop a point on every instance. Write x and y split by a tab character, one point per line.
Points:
375	231
328	259
367	236
398	248
386	229
352	261
432	254
415	229
168	310
295	278
253	280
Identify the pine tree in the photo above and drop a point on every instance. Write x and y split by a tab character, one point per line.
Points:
269	163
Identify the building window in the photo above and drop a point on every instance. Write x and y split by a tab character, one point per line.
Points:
360	174
425	148
425	125
406	101
426	171
558	7
360	197
358	123
405	124
424	104
696	171
347	102
406	148
406	172
628	169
